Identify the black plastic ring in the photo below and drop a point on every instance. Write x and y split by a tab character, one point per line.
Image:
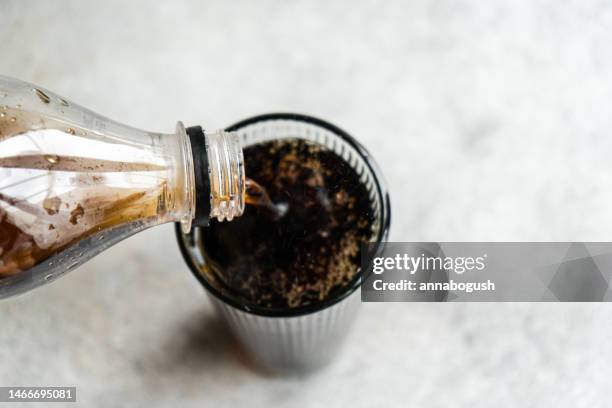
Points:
202	179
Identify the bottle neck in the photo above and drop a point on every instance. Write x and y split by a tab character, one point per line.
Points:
226	175
214	172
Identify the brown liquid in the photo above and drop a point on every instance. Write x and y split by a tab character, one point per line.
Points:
24	246
258	196
304	253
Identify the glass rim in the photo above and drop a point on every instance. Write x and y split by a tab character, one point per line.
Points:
355	283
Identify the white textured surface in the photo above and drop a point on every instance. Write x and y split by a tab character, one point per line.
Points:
491	121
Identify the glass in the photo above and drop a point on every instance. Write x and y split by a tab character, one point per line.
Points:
302	338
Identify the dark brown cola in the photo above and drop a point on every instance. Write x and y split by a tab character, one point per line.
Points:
299	239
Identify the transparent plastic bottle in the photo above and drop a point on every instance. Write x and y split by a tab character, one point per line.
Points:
73	183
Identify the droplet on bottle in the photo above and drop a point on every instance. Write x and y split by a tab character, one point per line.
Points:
42	96
18	106
13	119
71	131
76	213
52	205
48	277
2	114
52	158
63	102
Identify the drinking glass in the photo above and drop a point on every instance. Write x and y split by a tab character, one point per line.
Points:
302	338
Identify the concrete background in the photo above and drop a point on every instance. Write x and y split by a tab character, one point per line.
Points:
490	120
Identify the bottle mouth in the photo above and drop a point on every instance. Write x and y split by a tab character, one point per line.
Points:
226	174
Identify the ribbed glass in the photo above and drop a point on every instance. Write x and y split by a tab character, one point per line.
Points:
300	339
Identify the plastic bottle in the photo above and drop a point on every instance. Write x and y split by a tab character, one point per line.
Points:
73	183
